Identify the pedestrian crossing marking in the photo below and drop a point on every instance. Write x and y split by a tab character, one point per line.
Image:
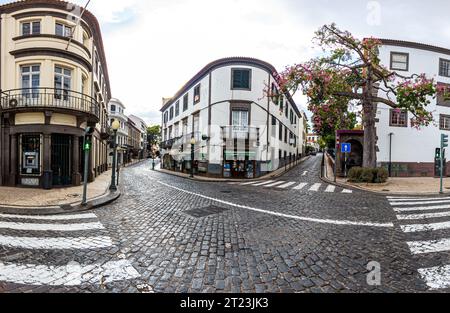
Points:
286	185
274	184
435	277
263	183
51	227
292	185
72	274
425	227
301	186
315	187
404	217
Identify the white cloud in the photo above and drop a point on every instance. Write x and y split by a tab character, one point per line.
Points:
154	46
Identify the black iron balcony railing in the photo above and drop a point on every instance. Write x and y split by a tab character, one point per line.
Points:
240	133
49	98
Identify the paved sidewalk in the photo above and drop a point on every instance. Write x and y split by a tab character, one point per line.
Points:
395	185
27	197
274	174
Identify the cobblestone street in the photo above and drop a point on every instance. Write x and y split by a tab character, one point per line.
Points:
169	234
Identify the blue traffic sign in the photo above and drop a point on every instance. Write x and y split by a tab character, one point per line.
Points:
346	148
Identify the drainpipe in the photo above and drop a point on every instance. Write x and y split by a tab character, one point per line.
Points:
390	154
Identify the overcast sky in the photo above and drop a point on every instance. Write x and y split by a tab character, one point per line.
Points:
153	47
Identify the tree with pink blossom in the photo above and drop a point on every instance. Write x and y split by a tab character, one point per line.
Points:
349	75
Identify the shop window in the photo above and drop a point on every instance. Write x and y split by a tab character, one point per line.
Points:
31	154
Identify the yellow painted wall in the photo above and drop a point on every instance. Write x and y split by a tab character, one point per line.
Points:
63	119
30	118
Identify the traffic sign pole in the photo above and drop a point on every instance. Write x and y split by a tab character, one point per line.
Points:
444	144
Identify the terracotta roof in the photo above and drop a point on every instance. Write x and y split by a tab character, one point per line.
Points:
220	63
414	45
88	17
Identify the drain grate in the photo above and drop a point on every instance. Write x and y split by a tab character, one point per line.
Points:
226	191
206	211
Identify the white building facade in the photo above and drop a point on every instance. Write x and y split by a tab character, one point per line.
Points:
409	151
116	111
239	131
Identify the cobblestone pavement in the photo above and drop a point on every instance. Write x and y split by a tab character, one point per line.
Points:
169	234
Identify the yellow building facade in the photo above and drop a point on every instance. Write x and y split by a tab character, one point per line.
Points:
54	83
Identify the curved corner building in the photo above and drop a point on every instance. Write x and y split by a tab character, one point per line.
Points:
54	83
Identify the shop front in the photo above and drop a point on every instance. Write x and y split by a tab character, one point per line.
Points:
239	165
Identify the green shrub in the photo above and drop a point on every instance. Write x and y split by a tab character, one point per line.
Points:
382	175
354	175
368	175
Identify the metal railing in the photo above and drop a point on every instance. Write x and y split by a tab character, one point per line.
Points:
240	133
49	98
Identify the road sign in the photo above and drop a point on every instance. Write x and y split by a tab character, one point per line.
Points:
444	141
346	148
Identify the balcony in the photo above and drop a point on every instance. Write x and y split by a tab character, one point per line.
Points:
240	133
49	98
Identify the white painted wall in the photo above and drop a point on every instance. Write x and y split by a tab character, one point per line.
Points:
409	144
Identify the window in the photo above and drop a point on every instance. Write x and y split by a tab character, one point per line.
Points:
399	61
399	118
291	117
63	82
31	28
30	80
280	133
177	108
176	130
286	113
85	39
274	94
444	68
166	117
274	126
441	95
113	108
444	122
185	102
63	30
31	154
197	94
285	135
171	114
241	79
281	103
240	121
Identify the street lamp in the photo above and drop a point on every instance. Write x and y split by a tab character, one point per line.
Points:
115	127
193	142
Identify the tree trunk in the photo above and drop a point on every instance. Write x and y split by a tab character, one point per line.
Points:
370	134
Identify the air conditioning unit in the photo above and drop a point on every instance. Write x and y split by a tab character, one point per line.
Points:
13	103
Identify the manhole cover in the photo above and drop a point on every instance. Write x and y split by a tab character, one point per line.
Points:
206	211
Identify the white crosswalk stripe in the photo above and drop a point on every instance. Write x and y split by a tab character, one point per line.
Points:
263	183
430	219
72	274
69	275
274	184
330	188
51	227
315	187
287	185
300	186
